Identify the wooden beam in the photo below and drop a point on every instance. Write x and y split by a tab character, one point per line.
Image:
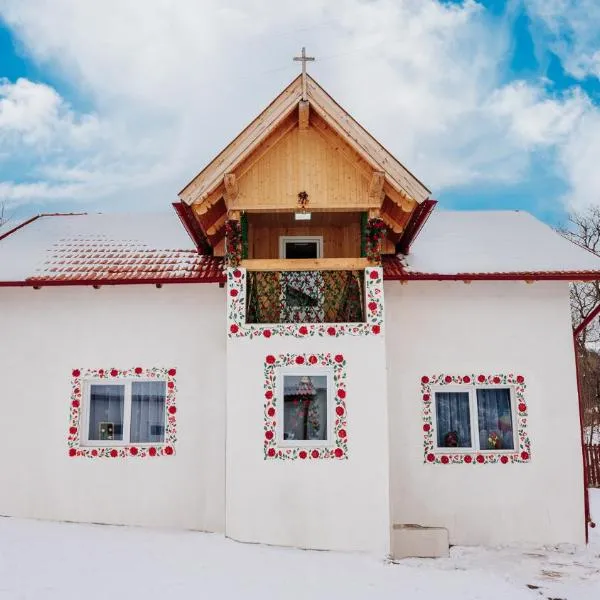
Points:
376	187
303	114
405	202
306	264
231	188
391	224
214	228
205	204
374	213
234	215
293	207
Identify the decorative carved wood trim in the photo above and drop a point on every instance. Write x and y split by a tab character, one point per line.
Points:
303	114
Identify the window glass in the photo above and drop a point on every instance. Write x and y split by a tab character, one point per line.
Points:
147	411
305	407
453	419
106	412
495	419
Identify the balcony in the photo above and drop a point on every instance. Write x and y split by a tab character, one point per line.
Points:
315	296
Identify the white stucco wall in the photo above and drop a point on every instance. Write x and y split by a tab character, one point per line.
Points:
487	327
44	335
323	504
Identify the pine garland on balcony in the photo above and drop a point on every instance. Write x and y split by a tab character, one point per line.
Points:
233	243
374	234
244	224
363	234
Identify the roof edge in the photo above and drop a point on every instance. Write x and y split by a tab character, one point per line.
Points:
108	282
417	221
35	218
185	214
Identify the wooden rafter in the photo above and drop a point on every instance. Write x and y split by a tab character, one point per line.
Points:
303	114
405	202
376	187
203	206
216	226
392	225
231	188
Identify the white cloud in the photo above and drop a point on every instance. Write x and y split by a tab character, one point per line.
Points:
172	83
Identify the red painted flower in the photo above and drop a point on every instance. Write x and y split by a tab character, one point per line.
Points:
496	379
342	433
374	275
299	360
268	394
481	378
339	411
172	410
270	359
233	293
133	451
331	330
171	385
424	379
169	450
448	379
341	393
303	330
234	328
468	458
76	391
267	333
152	452
524	455
522	407
72	430
237	273
315	454
271	452
466	379
269	435
445	460
480	458
372	306
312	359
520	379
94	452
101	373
76	373
430	457
302	454
426	397
271	411
138	370
375	329
72	452
426	427
114	372
504	459
172	372
75	404
339	358
114	453
339	453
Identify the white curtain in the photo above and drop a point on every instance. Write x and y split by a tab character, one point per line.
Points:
106	412
147	412
453	419
495	419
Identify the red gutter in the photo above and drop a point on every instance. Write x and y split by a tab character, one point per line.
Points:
186	215
412	230
104	282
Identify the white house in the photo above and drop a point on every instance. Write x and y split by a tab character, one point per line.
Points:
308	356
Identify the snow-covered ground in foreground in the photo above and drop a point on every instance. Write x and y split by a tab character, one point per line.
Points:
45	560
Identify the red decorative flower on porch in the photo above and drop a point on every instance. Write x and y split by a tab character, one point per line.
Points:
372	306
524	455
480	458
233	293
468	458
315	454
448	379
114	372
376	329
133	451
267	333
374	275
299	360
504	459
268	394
138	370
72	452
152	452
426	427
522	407
271	452
339	358
339	411
237	273
341	393
75	404
312	359
339	453
520	379
302	454
170	385
72	430
481	378
172	410
331	330
271	411
425	379
269	435
168	450
303	330
76	373
496	379
426	397
114	453
445	460
234	328
466	379
430	457
342	433
270	359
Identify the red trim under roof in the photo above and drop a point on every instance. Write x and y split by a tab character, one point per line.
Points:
412	230
104	282
186	215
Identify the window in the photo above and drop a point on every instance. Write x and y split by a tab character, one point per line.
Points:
301	247
305	398
124	412
479	418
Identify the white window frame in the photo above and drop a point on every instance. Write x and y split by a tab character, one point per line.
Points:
85	413
474	418
299	371
284	239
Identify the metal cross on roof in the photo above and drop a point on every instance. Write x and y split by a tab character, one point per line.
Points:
304	60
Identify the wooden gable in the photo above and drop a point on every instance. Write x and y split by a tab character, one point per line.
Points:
296	146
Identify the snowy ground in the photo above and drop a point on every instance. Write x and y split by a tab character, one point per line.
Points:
44	560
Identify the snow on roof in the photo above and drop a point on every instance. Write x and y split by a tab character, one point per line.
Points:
101	247
494	242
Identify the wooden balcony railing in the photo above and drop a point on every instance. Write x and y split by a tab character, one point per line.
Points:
305	297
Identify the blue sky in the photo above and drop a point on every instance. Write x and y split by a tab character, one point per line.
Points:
494	105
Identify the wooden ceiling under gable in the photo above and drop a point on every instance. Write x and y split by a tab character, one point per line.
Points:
312	146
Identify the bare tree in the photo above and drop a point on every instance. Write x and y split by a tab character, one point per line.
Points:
3	214
584	230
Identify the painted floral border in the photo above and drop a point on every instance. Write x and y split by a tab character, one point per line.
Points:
339	447
434	455
238	328
135	450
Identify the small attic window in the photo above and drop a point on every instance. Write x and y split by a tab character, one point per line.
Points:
300	247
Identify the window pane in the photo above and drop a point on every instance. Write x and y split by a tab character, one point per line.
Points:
453	419
495	419
305	407
106	412
148	411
